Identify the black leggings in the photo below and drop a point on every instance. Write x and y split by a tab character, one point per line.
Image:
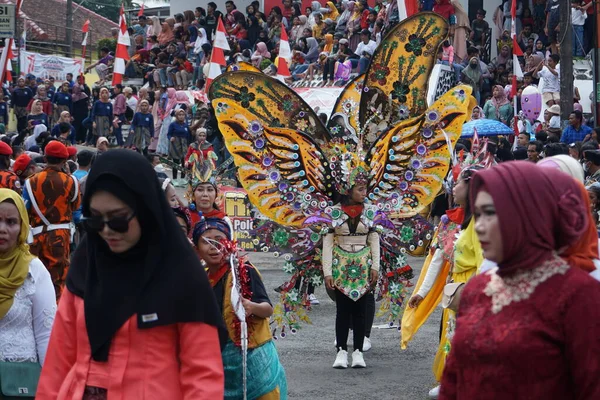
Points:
345	308
370	316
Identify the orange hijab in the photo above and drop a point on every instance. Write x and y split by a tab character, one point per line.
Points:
585	250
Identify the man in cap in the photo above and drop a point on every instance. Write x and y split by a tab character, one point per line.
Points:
365	50
8	179
591	165
24	167
52	197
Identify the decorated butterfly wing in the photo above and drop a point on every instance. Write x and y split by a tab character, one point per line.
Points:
282	169
268	101
345	119
399	70
242	66
409	162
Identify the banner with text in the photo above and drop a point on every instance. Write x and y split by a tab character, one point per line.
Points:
44	66
239	210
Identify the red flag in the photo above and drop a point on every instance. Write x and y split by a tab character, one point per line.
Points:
282	68
86	26
220	40
284	44
121	54
141	12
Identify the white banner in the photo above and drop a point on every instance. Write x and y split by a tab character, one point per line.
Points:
44	66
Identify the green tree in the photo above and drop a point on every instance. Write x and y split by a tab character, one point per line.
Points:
107	8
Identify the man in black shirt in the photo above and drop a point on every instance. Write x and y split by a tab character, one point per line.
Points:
212	19
480	29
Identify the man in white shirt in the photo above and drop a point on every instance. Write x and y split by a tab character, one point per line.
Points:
549	72
365	50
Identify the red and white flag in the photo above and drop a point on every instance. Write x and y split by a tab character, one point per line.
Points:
284	45
217	56
283	70
85	29
407	8
122	54
517	72
141	12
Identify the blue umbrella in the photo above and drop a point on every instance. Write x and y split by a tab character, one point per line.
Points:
485	127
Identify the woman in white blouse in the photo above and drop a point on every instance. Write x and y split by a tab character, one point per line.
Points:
27	298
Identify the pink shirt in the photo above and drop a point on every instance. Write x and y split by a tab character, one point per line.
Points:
120	104
181	361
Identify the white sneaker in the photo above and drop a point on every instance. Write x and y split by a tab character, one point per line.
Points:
313	300
366	344
435	392
341	360
358	360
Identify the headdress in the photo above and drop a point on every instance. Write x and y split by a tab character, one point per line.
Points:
381	132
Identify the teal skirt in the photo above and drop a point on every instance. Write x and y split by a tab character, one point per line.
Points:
265	372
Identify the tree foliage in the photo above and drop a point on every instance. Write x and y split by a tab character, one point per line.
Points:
107	8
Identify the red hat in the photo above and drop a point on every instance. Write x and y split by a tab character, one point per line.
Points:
72	151
56	149
5	150
21	164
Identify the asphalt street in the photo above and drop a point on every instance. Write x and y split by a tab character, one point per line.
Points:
308	356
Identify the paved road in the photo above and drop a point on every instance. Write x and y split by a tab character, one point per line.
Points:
308	355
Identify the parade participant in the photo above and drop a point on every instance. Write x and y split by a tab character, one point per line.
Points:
27	300
179	136
42	95
3	109
37	116
63	101
119	109
295	169
182	215
164	114
101	115
21	96
64	133
536	358
170	193
353	241
113	313
52	197
8	179
81	101
455	258
24	167
266	377
142	129
201	149
65	117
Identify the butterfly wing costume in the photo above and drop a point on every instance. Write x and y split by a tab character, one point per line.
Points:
295	169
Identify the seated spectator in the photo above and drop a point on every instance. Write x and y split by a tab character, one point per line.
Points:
576	131
479	29
259	54
65	118
102	65
365	50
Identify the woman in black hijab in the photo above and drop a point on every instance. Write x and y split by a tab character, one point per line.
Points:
139	315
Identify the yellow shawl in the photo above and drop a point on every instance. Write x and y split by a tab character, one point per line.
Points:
14	265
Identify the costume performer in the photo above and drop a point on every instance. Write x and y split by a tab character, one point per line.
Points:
454	257
236	282
52	198
142	128
295	168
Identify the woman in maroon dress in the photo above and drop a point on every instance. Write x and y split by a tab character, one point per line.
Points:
528	329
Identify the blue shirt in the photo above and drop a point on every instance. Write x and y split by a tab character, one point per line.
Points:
4	113
79	174
101	109
63	99
142	120
571	135
21	97
179	130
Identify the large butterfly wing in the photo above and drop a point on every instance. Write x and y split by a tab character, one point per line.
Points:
243	66
269	101
398	74
283	170
410	161
345	118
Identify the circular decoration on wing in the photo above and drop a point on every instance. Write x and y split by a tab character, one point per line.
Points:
403	112
421	149
259	143
314	237
256	128
267	161
409	175
275	176
416	164
427	133
432	116
403	186
283	186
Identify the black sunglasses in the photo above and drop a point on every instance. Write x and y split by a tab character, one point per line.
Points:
117	224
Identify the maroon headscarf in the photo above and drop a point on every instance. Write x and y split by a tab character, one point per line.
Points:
540	211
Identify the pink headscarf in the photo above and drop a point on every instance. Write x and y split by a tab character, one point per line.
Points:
182	97
500	100
261	50
540	211
171	102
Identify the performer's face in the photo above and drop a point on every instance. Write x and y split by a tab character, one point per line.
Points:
10	226
358	193
204	196
208	248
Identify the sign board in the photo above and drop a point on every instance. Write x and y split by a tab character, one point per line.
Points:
44	66
7	21
238	209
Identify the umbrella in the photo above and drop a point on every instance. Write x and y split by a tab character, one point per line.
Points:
485	127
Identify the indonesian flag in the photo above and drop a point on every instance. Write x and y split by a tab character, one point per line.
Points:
284	46
121	55
517	72
217	57
5	59
141	12
407	8
282	69
85	29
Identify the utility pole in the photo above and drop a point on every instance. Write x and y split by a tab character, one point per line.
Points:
565	40
69	28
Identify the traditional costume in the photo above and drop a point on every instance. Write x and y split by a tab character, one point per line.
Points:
51	197
141	131
8	179
293	166
264	377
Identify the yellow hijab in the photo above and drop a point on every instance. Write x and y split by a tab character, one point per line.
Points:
333	13
328	43
14	265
